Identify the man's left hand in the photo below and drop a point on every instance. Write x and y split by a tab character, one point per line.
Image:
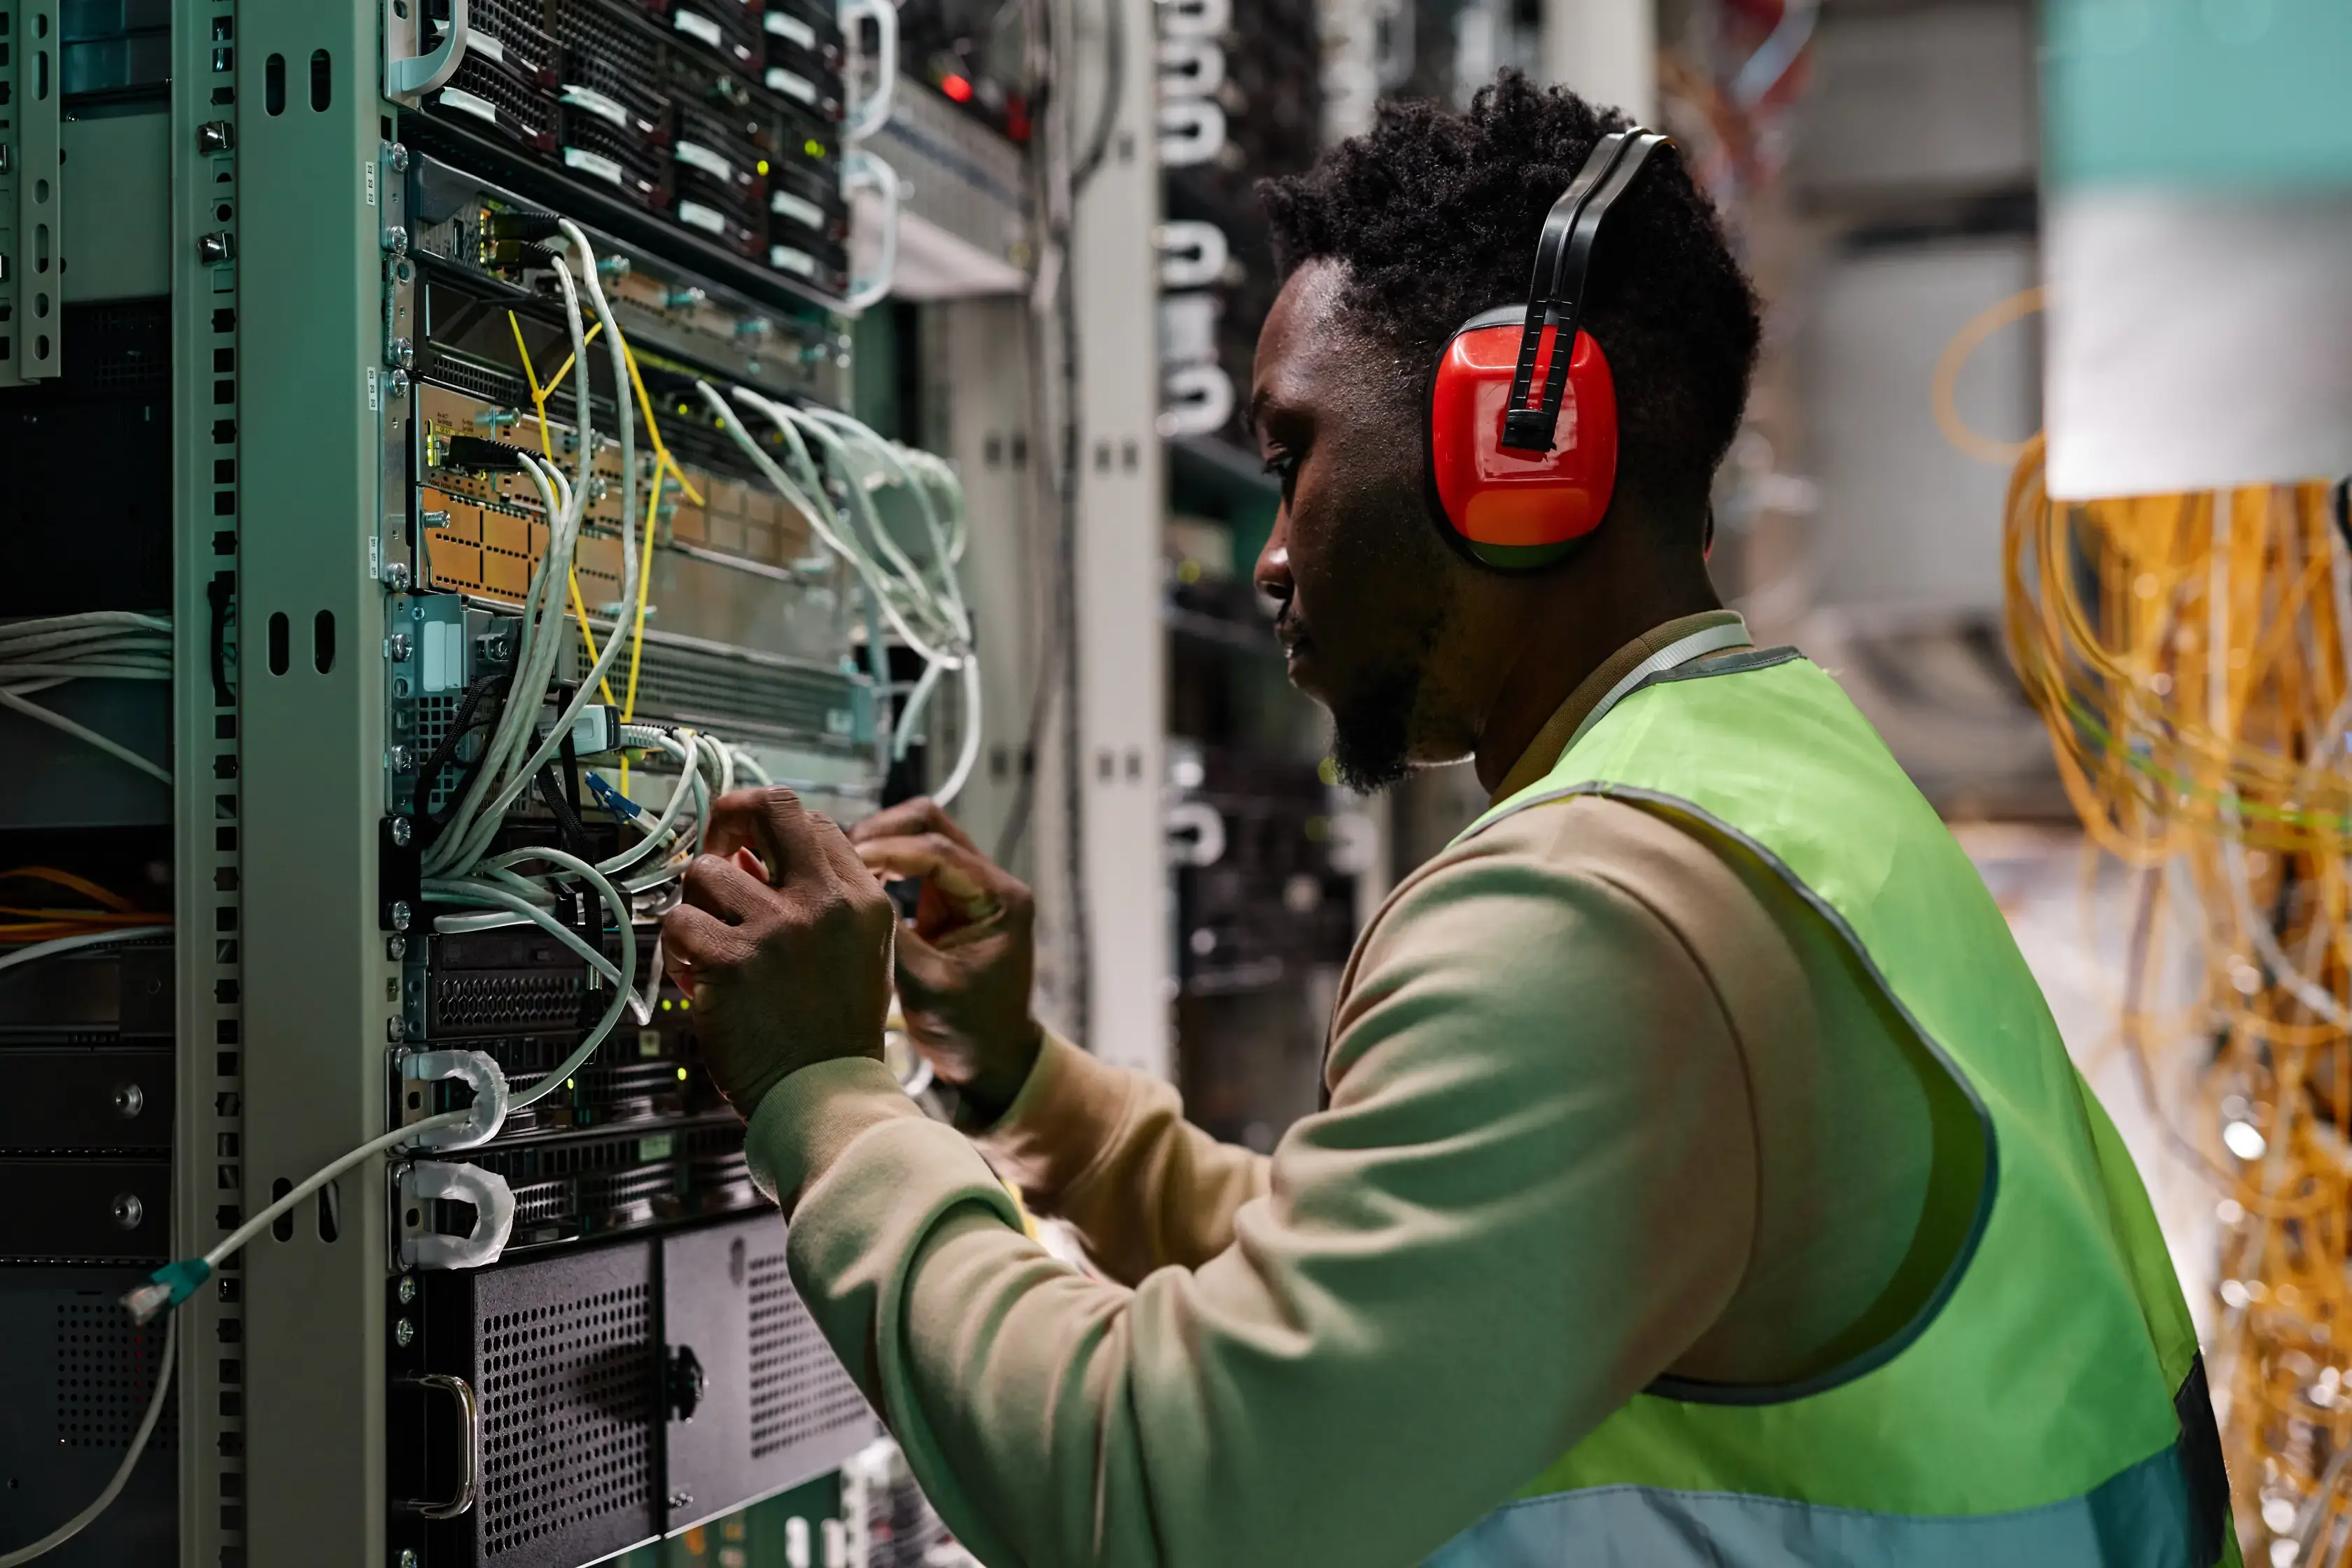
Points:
784	942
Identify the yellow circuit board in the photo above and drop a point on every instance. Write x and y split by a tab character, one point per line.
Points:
483	533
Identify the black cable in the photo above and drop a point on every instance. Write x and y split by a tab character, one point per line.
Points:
1114	92
221	595
570	831
468	718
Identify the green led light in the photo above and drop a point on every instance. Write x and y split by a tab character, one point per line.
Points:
813	147
681	1075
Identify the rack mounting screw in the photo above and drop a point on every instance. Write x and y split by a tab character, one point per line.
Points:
214	248
408	1558
129	1101
397	383
129	1211
399	646
404	1333
395	1030
400	353
396	576
402	760
397	158
396	948
407	1288
215	136
402	832
395	239
401	914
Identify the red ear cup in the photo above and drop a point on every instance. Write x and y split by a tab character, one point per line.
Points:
1516	508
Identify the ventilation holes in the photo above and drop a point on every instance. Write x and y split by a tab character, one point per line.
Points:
105	1375
282	1227
566	1437
281	643
273	85
323	86
798	1389
322	641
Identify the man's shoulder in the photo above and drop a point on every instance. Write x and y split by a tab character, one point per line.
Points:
1570	890
1570	844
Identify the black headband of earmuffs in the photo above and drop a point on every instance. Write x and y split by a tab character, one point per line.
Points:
1556	293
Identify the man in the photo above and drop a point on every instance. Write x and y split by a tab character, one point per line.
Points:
1701	1181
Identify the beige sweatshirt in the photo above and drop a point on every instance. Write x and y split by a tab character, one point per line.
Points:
1608	1102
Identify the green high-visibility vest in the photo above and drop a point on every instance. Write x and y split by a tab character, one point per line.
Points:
2046	1408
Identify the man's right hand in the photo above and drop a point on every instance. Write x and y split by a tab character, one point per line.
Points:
966	960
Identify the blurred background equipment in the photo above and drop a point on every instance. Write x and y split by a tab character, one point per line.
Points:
2178	564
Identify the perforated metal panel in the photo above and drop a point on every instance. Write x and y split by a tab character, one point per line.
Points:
776	1407
799	1390
105	1375
561	1354
74	1385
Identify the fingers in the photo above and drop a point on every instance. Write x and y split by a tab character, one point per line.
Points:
911	818
838	853
771	823
726	888
693	939
958	870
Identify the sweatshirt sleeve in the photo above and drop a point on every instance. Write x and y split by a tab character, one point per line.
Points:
1109	1151
1534	1189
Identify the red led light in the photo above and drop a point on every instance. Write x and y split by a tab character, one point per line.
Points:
955	87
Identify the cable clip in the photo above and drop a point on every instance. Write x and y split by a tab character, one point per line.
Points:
494	1210
482	1075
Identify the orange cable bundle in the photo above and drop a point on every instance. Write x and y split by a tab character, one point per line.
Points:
2189	654
40	924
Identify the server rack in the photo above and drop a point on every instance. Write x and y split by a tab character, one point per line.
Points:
225	332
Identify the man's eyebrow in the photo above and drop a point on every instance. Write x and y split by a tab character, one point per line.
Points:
1254	414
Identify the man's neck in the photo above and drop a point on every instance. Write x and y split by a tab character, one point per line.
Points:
1564	649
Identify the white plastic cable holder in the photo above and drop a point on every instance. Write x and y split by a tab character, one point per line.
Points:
494	1211
479	1073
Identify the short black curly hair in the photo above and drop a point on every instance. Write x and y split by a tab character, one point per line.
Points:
1435	216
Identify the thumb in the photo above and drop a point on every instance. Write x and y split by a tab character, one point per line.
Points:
923	970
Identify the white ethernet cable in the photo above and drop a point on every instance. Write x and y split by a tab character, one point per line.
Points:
105	1500
476	822
899	588
99	644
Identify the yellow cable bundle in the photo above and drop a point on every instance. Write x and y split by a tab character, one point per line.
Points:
665	466
2189	654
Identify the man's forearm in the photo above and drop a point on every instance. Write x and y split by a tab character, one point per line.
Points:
1108	1151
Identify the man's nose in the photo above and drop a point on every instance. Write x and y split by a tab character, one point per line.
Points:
1272	572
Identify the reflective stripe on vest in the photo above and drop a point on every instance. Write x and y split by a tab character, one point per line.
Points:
2046	1405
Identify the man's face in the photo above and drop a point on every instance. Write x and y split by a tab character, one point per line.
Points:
1372	599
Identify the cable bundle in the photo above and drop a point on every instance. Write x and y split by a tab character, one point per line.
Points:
102	645
2192	656
923	603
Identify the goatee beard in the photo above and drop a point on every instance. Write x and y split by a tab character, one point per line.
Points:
1372	736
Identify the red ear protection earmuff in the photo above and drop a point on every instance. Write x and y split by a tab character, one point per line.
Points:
1522	437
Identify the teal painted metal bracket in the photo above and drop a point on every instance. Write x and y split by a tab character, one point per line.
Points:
32	198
